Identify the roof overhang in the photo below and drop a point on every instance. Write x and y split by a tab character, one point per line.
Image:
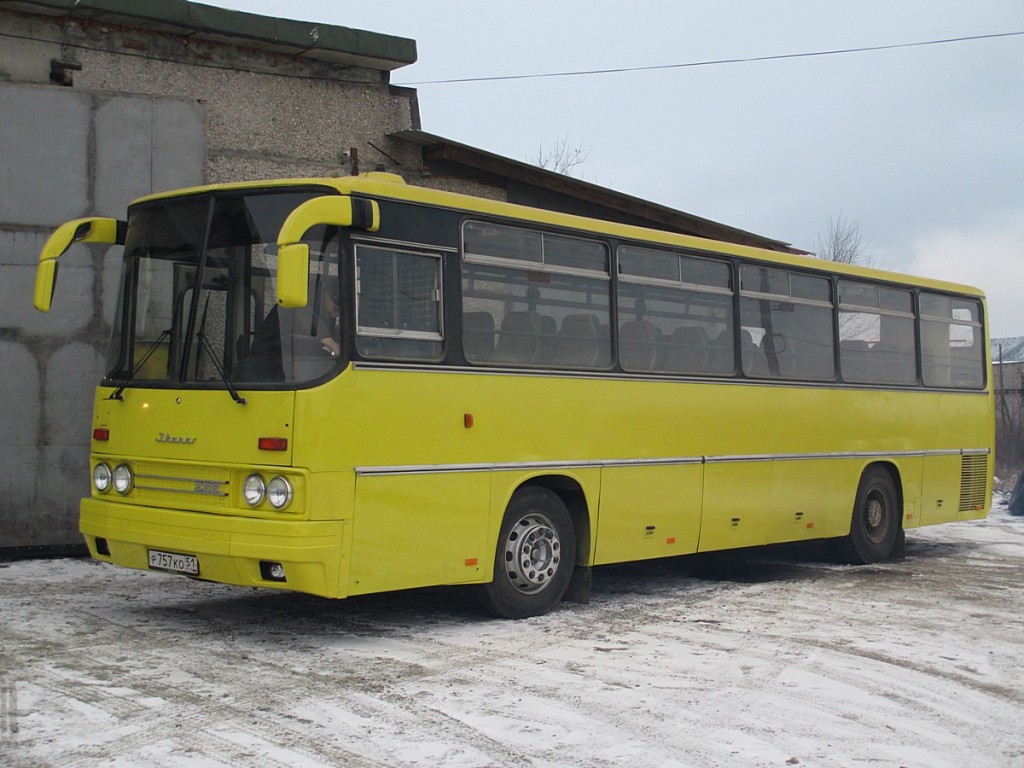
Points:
437	148
305	39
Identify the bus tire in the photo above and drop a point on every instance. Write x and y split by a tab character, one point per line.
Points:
875	526
535	556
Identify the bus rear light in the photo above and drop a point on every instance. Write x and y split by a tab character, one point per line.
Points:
273	443
101	433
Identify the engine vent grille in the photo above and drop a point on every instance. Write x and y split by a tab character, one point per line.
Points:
973	482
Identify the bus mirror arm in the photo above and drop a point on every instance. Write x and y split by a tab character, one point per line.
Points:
293	253
91	230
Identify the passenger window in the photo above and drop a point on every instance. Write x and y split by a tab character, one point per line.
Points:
876	334
675	313
553	313
787	325
952	342
398	303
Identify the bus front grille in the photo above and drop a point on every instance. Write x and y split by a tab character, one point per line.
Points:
177	485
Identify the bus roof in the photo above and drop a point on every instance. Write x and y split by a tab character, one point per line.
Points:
393	187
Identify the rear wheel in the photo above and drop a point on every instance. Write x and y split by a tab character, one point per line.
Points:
876	519
534	558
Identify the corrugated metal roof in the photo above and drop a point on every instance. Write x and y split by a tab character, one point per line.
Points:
1008	350
655	215
308	39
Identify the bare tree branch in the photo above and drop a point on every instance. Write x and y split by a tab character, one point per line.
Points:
562	157
842	243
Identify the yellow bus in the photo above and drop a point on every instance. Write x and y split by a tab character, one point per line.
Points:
353	385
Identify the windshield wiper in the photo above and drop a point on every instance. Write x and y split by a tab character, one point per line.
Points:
212	353
217	366
118	394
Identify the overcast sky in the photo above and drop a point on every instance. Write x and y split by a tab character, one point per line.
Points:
923	147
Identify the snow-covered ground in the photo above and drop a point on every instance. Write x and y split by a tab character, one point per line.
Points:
769	658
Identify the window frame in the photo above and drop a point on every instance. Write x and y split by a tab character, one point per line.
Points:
978	330
773	371
682	286
528	267
877	310
383	334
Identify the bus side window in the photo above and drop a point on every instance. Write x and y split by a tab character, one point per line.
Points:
670	306
793	313
398	303
951	352
534	298
876	334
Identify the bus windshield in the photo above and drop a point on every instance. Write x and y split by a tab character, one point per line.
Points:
197	297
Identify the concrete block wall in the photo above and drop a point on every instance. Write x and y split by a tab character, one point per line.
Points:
147	111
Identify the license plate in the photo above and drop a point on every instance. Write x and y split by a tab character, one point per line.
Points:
173	562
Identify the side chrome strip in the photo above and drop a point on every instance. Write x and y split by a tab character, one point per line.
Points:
430	469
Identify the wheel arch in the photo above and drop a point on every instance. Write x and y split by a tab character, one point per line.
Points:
890	466
570	491
871	538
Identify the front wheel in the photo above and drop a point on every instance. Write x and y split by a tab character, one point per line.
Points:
535	556
876	519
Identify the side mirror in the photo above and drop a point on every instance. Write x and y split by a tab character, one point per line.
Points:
293	254
92	230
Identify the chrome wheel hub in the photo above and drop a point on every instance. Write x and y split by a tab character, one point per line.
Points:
532	553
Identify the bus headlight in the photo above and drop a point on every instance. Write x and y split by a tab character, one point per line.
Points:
123	479
254	490
101	477
279	493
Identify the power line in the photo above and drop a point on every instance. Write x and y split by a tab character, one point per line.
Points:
713	62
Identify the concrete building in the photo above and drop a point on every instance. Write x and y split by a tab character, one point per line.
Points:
103	101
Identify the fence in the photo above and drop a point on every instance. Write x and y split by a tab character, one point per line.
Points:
1009	384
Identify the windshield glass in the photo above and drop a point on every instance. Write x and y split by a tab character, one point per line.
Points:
198	303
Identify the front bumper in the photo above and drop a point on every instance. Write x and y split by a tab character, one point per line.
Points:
229	549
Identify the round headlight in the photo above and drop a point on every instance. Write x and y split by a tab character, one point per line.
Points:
101	477
123	480
279	492
254	490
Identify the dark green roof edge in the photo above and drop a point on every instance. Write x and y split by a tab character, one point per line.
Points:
308	38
